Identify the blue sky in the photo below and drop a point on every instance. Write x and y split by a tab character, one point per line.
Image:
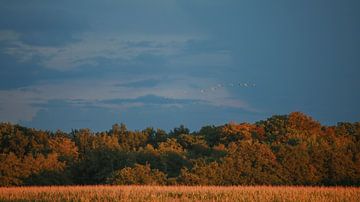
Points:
161	63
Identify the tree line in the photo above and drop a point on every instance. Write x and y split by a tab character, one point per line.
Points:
291	149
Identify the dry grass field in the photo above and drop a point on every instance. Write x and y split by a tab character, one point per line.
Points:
178	193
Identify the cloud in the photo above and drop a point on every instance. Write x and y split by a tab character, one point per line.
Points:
140	83
152	100
16	105
42	24
8	36
64	115
90	48
67	115
105	93
94	50
214	59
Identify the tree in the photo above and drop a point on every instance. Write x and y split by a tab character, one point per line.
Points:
139	174
179	131
10	170
275	127
251	163
291	149
64	147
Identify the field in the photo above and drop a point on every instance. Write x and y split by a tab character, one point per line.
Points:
178	193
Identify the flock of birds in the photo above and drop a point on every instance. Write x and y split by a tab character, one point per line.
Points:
220	85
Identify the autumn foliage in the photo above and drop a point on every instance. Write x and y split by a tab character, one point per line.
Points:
289	149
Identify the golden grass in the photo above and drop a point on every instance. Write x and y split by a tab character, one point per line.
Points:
179	193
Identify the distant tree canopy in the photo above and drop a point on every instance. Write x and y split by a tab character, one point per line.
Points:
289	149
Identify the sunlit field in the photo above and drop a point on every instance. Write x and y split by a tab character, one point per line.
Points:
178	193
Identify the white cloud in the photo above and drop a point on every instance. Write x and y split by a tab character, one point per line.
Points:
92	46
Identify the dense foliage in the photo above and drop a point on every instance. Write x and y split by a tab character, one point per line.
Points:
290	149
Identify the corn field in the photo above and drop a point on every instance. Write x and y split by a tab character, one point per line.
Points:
179	193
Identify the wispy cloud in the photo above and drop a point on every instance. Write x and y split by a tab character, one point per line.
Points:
140	83
8	36
121	91
176	91
151	100
91	47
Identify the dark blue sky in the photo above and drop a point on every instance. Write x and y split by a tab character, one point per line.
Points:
75	64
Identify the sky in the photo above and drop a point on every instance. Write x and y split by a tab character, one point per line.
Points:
161	63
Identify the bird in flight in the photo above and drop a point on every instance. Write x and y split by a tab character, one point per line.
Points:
221	85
